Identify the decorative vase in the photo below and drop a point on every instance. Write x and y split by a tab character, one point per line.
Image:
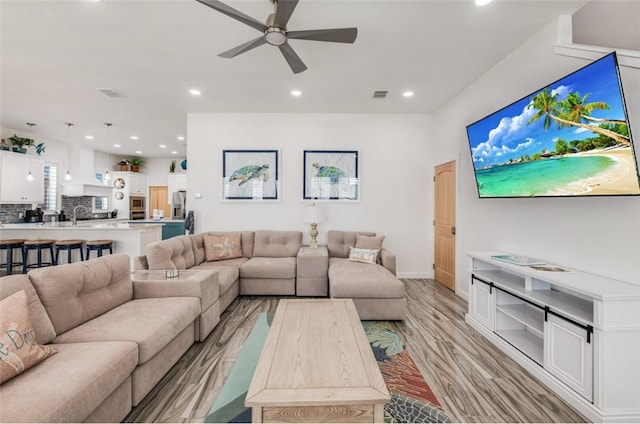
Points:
183	164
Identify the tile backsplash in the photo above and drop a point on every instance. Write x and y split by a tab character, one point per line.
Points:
10	213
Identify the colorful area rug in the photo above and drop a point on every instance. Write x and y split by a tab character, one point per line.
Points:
412	400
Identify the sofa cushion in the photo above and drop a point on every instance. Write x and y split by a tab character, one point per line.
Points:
370	242
277	244
19	350
42	326
176	252
151	323
269	268
76	293
219	247
227	275
70	385
339	242
358	280
367	256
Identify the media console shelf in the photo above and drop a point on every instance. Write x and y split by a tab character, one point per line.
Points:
576	332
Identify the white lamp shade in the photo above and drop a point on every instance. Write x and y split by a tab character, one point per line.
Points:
313	214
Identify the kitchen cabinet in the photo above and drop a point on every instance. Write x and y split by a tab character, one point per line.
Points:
137	184
14	186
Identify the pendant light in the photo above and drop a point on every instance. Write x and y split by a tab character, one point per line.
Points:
30	175
67	176
106	175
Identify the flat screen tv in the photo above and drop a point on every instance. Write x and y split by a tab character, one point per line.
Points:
571	138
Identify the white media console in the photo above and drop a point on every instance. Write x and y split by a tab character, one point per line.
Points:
578	333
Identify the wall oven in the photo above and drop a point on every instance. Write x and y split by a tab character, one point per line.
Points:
136	207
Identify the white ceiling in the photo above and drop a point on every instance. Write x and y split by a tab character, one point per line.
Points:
55	54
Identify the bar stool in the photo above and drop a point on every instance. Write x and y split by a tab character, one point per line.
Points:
99	246
38	246
9	245
69	246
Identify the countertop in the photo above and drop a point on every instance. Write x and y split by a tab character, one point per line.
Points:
82	225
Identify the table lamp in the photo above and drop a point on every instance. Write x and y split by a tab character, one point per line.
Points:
313	215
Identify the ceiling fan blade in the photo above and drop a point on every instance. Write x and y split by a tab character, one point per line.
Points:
336	35
233	13
284	9
295	63
243	48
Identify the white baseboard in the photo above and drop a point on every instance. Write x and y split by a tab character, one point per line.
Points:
414	275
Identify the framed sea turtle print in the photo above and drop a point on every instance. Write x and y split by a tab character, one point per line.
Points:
331	175
250	175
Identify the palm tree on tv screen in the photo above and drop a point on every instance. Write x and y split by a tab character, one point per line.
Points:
571	112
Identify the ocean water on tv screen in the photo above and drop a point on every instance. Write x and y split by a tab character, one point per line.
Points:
549	177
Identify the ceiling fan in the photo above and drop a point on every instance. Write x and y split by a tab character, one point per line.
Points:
275	31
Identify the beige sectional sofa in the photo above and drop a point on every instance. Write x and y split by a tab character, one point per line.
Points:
116	338
112	348
268	266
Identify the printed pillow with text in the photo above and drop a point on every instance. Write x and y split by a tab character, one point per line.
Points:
19	350
222	246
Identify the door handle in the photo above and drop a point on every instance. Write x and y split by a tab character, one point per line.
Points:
453	230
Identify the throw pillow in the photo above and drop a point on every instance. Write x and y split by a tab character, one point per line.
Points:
370	242
222	246
19	350
367	256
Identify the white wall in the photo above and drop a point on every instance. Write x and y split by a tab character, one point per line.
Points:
395	167
597	235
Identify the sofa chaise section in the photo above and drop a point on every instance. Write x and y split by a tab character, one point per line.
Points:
374	288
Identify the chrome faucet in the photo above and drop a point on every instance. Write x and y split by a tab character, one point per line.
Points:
75	212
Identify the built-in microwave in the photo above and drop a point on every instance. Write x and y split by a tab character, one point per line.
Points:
136	203
136	207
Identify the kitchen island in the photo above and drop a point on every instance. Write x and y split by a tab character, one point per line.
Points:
170	227
130	239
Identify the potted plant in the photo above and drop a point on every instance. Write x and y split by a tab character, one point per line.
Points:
20	143
136	162
172	166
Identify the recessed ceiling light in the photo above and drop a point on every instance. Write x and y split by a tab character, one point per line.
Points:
116	145
134	137
407	94
162	146
88	137
138	152
173	152
195	92
296	93
482	2
180	137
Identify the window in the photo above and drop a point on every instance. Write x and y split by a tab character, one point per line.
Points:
50	186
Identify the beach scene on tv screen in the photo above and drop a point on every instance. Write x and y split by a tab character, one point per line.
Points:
571	138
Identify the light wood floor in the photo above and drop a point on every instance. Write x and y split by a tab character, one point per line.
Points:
474	381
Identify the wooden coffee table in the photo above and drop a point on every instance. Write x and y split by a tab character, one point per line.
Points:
317	366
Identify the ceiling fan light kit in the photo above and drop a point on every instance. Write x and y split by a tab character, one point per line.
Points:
275	31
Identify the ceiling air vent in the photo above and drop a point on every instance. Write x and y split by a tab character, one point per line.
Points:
110	92
380	94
